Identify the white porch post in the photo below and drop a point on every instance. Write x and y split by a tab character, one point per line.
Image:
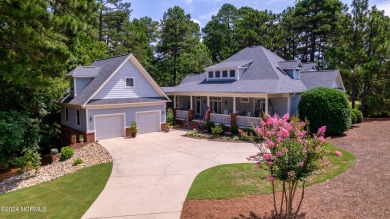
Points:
266	105
174	101
288	104
208	101
234	105
191	102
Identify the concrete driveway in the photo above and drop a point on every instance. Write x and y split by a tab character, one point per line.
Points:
152	173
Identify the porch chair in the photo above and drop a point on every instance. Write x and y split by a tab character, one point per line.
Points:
248	114
226	112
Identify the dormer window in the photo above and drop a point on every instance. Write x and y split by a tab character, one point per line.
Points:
129	82
217	74
224	74
211	74
232	73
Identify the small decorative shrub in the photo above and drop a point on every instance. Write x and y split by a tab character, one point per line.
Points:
223	126
77	162
210	125
236	138
30	160
325	107
234	129
359	115
73	137
169	117
66	153
353	118
133	127
81	138
246	135
217	130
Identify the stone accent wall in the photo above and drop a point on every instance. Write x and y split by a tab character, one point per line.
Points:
66	132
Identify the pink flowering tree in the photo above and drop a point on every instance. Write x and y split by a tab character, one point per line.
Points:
291	156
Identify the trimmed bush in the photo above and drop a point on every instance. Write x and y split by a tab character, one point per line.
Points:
234	129
209	126
66	153
353	118
217	130
359	115
77	162
325	106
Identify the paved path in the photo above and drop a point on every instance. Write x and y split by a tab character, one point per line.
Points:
152	173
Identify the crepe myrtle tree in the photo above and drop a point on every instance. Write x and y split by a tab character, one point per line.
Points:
291	156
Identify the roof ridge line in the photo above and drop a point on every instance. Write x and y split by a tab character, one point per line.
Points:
127	54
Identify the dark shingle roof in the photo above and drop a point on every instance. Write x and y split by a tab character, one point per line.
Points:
107	67
309	66
232	64
262	76
313	79
125	100
84	71
294	64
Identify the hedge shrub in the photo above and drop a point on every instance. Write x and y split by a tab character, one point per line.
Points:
359	115
66	153
325	106
353	118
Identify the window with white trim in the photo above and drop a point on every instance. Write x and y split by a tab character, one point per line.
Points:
78	117
129	82
232	73
244	100
225	74
217	74
67	114
211	74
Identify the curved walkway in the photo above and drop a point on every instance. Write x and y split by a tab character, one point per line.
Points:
152	173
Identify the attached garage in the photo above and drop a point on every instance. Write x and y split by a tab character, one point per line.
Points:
110	126
148	121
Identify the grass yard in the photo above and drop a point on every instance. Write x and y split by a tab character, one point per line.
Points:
239	180
67	197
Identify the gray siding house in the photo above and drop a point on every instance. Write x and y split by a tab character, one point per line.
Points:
107	96
246	85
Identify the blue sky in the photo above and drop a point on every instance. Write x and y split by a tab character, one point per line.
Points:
202	10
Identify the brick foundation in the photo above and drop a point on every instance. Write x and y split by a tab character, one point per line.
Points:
66	132
163	127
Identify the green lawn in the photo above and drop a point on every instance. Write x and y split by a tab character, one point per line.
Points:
67	197
238	180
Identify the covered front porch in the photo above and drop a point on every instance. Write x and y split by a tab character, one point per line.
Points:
242	110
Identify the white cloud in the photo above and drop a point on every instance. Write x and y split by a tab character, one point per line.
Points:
384	6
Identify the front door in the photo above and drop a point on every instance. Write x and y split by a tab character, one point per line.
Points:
198	106
216	104
259	107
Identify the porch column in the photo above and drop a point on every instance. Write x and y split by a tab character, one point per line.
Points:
208	101
266	105
174	101
191	102
234	105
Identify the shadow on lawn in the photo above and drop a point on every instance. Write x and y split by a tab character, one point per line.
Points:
266	215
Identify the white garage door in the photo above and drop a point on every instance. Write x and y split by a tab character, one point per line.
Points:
109	127
148	122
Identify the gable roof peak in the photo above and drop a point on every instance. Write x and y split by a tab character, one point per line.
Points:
113	57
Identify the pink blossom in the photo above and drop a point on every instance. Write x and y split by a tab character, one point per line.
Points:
321	139
338	153
270	121
270	163
283	133
279	153
301	164
267	156
271	178
285	150
291	173
286	117
322	130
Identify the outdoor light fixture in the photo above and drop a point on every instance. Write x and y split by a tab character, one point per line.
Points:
90	118
226	102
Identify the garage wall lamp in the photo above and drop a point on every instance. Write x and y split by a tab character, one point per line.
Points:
90	118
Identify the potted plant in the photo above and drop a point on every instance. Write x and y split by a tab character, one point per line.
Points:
81	138
133	128
73	139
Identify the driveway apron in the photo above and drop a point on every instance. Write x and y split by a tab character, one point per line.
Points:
153	172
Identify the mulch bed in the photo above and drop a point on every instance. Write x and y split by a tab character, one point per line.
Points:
361	192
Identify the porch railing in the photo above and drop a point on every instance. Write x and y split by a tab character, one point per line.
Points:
181	114
220	118
245	121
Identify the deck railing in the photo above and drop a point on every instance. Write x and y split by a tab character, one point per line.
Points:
220	118
246	121
181	114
